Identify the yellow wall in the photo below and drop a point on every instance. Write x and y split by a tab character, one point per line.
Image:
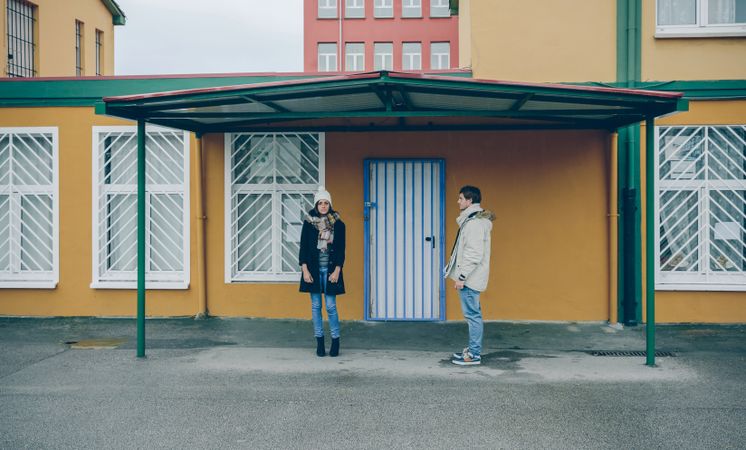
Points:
696	306
73	295
548	189
543	40
689	58
56	36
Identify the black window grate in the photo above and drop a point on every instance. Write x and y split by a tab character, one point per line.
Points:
21	40
628	353
78	48
99	50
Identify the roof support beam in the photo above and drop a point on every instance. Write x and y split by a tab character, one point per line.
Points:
266	103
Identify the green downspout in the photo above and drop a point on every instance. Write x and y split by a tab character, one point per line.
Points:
140	238
630	251
649	240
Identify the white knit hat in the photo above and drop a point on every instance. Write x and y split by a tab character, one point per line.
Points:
322	194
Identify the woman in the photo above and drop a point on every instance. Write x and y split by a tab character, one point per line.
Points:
322	255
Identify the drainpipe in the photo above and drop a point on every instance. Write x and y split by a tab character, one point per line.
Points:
650	240
613	228
201	218
141	238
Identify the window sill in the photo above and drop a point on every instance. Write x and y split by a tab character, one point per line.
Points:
700	32
132	285
701	287
28	284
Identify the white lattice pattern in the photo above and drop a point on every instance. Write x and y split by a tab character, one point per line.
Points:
28	207
702	206
116	207
270	180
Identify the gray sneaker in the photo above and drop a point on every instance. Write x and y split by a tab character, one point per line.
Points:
467	359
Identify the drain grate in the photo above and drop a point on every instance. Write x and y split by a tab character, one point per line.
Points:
629	353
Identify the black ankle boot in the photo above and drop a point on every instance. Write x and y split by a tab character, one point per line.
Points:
320	351
334	351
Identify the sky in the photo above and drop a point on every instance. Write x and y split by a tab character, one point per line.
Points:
214	36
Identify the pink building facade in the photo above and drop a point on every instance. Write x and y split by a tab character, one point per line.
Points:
366	35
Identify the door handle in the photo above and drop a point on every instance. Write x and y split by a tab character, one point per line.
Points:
431	239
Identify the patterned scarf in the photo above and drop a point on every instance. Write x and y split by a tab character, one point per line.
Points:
325	225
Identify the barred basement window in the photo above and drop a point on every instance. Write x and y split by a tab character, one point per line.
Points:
21	22
270	180
701	206
99	52
78	48
29	208
115	208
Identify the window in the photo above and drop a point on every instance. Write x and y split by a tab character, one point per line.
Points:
355	57
411	56
440	55
440	8
115	208
327	57
327	9
21	44
354	9
688	18
99	52
701	206
78	48
29	208
383	8
270	181
411	8
383	56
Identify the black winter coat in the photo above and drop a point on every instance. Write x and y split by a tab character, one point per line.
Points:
309	255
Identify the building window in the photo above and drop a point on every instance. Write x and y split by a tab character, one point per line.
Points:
29	208
99	52
355	57
327	9
21	41
270	180
440	55
440	8
411	8
383	8
354	9
327	57
411	56
701	206
686	18
115	208
383	56
78	48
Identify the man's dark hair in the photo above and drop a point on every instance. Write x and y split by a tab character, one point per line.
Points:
471	193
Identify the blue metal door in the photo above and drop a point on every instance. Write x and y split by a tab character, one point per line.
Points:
404	239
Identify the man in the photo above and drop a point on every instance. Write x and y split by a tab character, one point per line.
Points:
469	267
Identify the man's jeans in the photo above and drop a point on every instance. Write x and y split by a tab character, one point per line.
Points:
473	315
331	308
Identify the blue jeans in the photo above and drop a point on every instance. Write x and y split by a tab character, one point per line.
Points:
331	308
473	315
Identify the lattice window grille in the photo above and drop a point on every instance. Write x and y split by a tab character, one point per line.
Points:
701	206
115	208
270	180
29	208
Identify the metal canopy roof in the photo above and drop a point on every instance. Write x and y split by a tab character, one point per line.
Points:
386	101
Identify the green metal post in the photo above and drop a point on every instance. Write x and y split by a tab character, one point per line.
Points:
140	238
650	239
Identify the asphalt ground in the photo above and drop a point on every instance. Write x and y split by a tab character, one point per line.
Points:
251	383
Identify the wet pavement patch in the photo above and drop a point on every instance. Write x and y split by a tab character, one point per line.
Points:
96	344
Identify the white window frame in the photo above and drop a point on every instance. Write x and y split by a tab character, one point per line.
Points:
354	60
43	280
277	275
383	9
441	6
410	56
440	56
354	9
411	9
701	27
124	280
383	56
703	280
329	59
327	9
